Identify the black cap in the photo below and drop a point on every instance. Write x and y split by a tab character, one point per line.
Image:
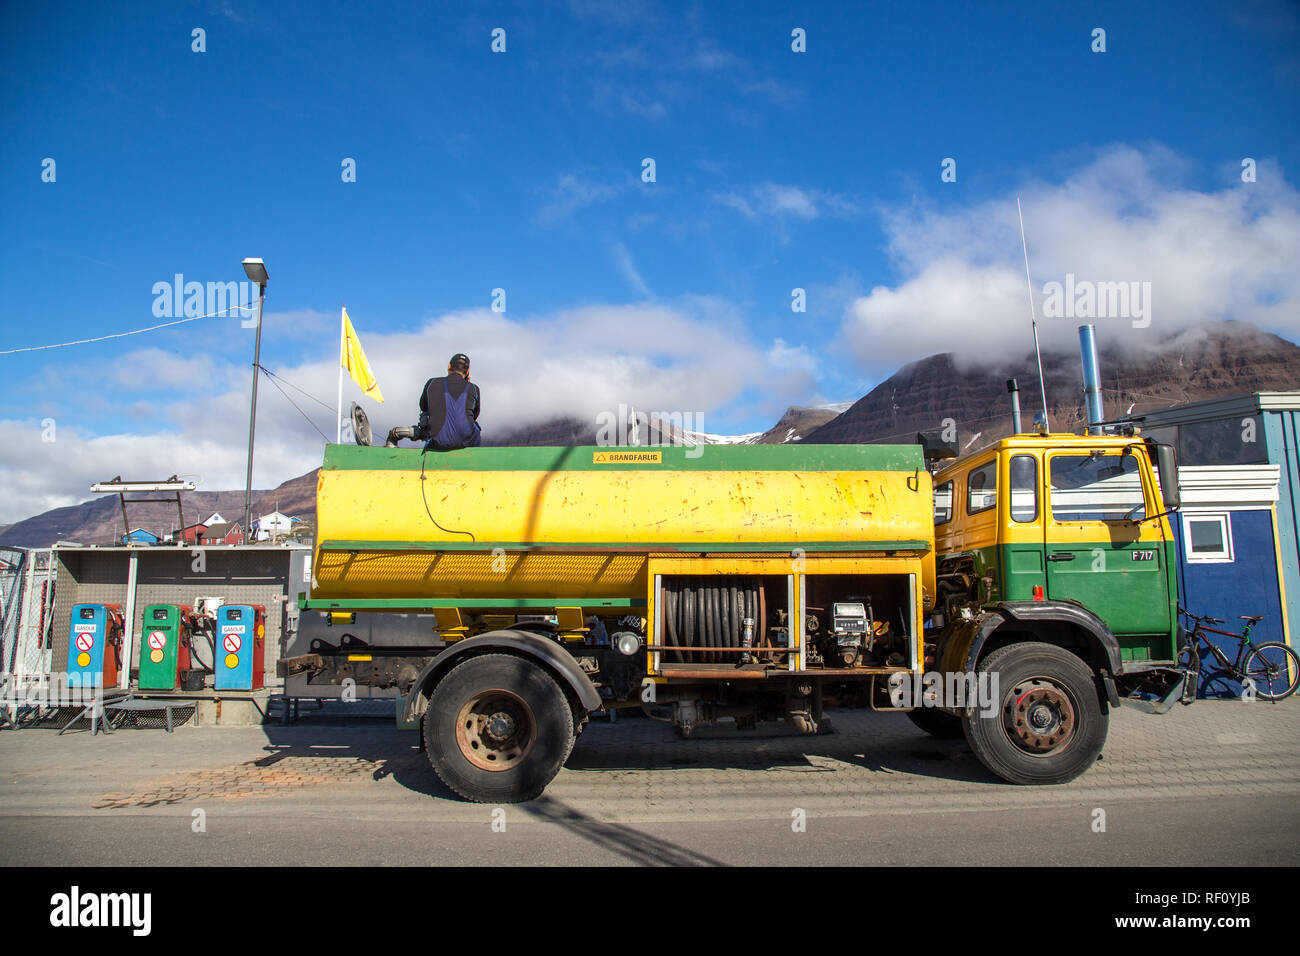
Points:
459	361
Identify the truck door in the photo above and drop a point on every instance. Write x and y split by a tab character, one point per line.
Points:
1096	552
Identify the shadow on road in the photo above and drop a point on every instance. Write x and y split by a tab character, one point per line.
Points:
625	841
859	742
871	742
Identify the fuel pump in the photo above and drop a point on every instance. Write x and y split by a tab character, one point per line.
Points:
166	659
240	647
94	645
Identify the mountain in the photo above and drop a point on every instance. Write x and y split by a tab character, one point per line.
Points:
1214	361
99	521
562	432
1219	360
799	421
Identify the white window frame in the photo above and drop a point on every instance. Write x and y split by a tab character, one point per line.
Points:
1227	556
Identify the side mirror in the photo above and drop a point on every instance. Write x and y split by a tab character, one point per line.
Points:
1167	462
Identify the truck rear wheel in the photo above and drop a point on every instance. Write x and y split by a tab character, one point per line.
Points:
498	729
1049	726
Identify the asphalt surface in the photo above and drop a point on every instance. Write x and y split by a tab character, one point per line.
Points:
1214	784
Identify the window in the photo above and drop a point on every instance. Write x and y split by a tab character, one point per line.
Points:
1207	539
982	488
943	503
1227	441
1096	487
1024	488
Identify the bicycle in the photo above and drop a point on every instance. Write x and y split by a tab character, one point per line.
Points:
1271	669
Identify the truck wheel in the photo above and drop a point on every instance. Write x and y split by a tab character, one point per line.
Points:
1049	726
498	729
936	723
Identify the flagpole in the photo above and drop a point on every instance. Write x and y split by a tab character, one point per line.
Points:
338	418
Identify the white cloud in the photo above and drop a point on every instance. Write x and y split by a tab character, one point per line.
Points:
162	369
572	193
695	355
782	201
784	356
650	109
1226	253
628	269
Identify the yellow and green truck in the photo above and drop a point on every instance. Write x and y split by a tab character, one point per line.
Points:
1013	596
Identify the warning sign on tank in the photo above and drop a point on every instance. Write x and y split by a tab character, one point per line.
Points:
627	458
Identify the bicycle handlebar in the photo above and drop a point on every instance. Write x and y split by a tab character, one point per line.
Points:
1200	618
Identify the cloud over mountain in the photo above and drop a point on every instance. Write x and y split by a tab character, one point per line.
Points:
1227	251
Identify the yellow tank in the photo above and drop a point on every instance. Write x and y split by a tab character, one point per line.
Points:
487	525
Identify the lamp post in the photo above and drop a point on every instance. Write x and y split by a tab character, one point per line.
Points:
255	269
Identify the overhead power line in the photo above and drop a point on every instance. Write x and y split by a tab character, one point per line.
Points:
318	401
295	405
119	335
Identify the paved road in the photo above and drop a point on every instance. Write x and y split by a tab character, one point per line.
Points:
1218	783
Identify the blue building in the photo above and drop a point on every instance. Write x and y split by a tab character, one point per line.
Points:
1229	557
1235	545
140	536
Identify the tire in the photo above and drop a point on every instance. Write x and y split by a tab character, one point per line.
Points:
937	723
498	729
1274	669
1008	744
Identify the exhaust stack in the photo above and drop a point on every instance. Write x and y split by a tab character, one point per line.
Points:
1091	379
1014	389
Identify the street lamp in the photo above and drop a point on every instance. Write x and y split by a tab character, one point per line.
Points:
255	269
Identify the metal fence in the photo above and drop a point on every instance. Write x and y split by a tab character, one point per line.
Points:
27	582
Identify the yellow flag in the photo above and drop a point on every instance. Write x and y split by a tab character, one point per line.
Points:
353	359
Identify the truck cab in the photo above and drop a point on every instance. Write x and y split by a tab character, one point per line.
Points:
1055	573
1061	518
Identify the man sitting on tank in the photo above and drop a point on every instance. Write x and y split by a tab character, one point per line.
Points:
449	408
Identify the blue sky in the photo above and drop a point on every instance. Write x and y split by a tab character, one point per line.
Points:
522	170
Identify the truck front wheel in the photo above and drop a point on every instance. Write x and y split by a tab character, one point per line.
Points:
498	729
1049	725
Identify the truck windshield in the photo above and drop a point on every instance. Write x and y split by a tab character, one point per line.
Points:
1096	487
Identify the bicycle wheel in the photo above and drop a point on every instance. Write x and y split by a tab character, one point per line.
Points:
1190	661
1274	669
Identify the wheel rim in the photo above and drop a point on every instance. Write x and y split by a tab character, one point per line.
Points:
1039	717
1268	669
495	730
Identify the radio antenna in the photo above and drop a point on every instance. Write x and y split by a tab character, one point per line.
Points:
1033	319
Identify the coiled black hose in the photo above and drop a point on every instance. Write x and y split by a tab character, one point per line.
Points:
709	612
